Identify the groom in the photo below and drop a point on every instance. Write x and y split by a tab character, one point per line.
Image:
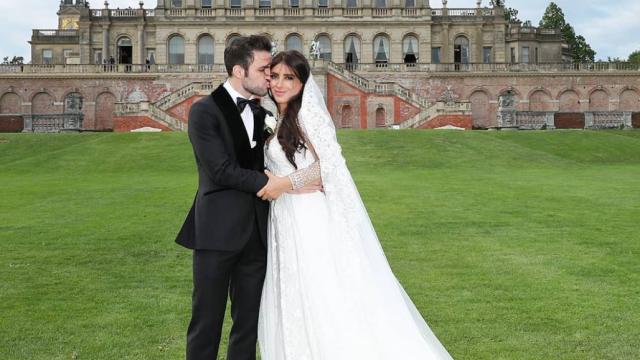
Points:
227	224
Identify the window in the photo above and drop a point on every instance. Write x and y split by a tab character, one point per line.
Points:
264	4
151	56
68	2
461	50
231	38
435	55
410	49
324	44
352	3
381	49
351	51
323	3
409	4
97	56
176	3
235	4
176	50
513	55
486	55
525	54
294	42
381	4
205	50
47	56
294	3
66	53
206	3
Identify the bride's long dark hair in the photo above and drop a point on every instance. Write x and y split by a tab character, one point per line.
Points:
290	136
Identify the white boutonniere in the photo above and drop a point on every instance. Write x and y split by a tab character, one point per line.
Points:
270	123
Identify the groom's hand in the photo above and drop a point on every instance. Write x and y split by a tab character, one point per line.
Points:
275	186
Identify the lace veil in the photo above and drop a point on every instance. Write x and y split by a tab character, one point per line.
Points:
346	209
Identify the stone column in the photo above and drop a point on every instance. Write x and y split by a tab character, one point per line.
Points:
141	44
445	57
105	41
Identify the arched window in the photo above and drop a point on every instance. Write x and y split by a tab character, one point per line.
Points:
176	50
205	50
351	51
324	44
461	50
125	51
381	51
352	3
410	49
231	38
294	42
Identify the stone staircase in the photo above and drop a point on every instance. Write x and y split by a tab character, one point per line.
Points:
428	111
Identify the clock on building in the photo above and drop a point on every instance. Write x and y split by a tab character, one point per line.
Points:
69	23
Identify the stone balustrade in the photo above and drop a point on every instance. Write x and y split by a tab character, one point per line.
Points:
52	122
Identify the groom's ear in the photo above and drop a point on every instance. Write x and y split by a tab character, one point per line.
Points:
238	71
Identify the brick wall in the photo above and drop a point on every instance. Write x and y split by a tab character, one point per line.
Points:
569	120
635	120
128	123
11	123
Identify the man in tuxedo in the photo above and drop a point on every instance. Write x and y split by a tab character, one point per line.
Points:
227	224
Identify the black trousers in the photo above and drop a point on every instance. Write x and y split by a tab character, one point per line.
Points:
240	274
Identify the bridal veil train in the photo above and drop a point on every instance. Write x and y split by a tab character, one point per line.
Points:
329	293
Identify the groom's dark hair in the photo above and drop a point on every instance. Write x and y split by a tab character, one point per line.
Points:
240	51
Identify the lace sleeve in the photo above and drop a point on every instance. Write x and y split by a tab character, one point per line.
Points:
306	176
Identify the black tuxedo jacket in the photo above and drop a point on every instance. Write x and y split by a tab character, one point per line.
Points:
230	173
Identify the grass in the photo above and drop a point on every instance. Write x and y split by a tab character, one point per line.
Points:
513	245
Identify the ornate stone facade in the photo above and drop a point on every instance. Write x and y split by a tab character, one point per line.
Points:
382	64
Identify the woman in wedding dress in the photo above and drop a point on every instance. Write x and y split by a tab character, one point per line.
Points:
329	293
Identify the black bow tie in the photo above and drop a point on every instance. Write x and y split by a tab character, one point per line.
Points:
242	104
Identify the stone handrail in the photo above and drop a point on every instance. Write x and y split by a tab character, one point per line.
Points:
52	122
601	67
185	92
167	119
438	108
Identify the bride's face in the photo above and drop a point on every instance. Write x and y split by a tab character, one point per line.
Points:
284	85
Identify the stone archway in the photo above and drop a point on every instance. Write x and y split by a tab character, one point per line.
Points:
381	117
10	103
540	100
480	109
569	101
346	116
599	101
629	101
105	105
43	103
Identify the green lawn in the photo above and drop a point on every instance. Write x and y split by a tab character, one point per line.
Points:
513	245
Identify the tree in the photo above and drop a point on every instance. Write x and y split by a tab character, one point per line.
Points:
553	18
17	60
634	58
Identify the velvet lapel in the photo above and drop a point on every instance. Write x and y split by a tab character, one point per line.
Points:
232	117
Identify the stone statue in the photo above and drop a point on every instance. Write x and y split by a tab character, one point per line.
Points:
314	51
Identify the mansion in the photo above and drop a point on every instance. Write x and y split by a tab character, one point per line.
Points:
381	64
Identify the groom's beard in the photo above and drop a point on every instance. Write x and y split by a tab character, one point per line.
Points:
254	89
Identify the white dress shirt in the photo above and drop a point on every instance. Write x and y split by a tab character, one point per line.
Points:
246	115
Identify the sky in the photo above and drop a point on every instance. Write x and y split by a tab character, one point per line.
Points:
611	27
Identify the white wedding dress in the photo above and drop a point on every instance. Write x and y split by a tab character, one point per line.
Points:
329	293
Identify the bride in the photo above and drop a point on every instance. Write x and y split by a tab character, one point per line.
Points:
329	293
